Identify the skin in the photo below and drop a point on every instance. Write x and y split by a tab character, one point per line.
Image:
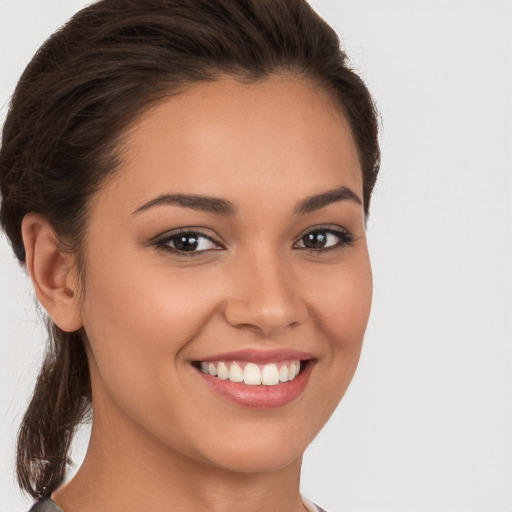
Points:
161	440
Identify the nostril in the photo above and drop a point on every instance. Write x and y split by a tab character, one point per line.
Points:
262	319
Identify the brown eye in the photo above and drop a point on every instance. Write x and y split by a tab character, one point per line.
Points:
186	242
190	242
324	239
315	240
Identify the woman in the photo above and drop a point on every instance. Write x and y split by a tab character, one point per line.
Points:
187	183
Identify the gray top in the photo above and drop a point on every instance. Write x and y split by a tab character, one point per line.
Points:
48	505
45	505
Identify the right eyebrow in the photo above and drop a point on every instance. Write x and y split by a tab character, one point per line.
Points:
195	202
316	202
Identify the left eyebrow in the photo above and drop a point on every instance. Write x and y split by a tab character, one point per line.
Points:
316	202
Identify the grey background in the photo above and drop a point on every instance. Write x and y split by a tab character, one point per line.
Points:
427	422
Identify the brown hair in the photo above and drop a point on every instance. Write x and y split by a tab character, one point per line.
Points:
77	97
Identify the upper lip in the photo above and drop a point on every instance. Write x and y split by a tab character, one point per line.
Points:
260	356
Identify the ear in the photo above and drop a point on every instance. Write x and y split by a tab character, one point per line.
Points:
52	272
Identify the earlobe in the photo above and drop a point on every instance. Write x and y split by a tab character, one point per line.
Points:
51	272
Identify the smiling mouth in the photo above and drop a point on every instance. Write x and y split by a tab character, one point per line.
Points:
252	374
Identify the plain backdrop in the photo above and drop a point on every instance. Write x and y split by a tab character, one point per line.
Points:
427	422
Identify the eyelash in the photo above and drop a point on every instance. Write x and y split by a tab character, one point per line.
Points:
345	239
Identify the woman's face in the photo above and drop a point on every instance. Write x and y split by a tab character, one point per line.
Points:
231	242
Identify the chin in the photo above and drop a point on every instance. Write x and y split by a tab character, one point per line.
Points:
259	447
258	461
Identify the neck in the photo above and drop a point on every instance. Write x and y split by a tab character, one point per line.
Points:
131	471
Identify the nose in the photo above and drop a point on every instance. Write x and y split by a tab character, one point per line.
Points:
265	297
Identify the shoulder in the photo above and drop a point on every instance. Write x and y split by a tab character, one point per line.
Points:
45	505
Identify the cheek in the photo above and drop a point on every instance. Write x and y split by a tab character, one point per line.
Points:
139	325
150	312
340	305
138	318
341	300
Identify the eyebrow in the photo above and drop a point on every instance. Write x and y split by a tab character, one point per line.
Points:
224	207
195	202
318	201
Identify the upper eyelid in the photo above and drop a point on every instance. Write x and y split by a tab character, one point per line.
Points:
199	231
334	228
166	235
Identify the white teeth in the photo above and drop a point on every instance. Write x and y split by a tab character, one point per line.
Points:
253	374
270	375
222	371
236	374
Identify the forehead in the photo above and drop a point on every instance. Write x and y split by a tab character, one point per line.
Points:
219	138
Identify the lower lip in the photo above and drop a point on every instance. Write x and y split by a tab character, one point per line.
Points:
260	397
